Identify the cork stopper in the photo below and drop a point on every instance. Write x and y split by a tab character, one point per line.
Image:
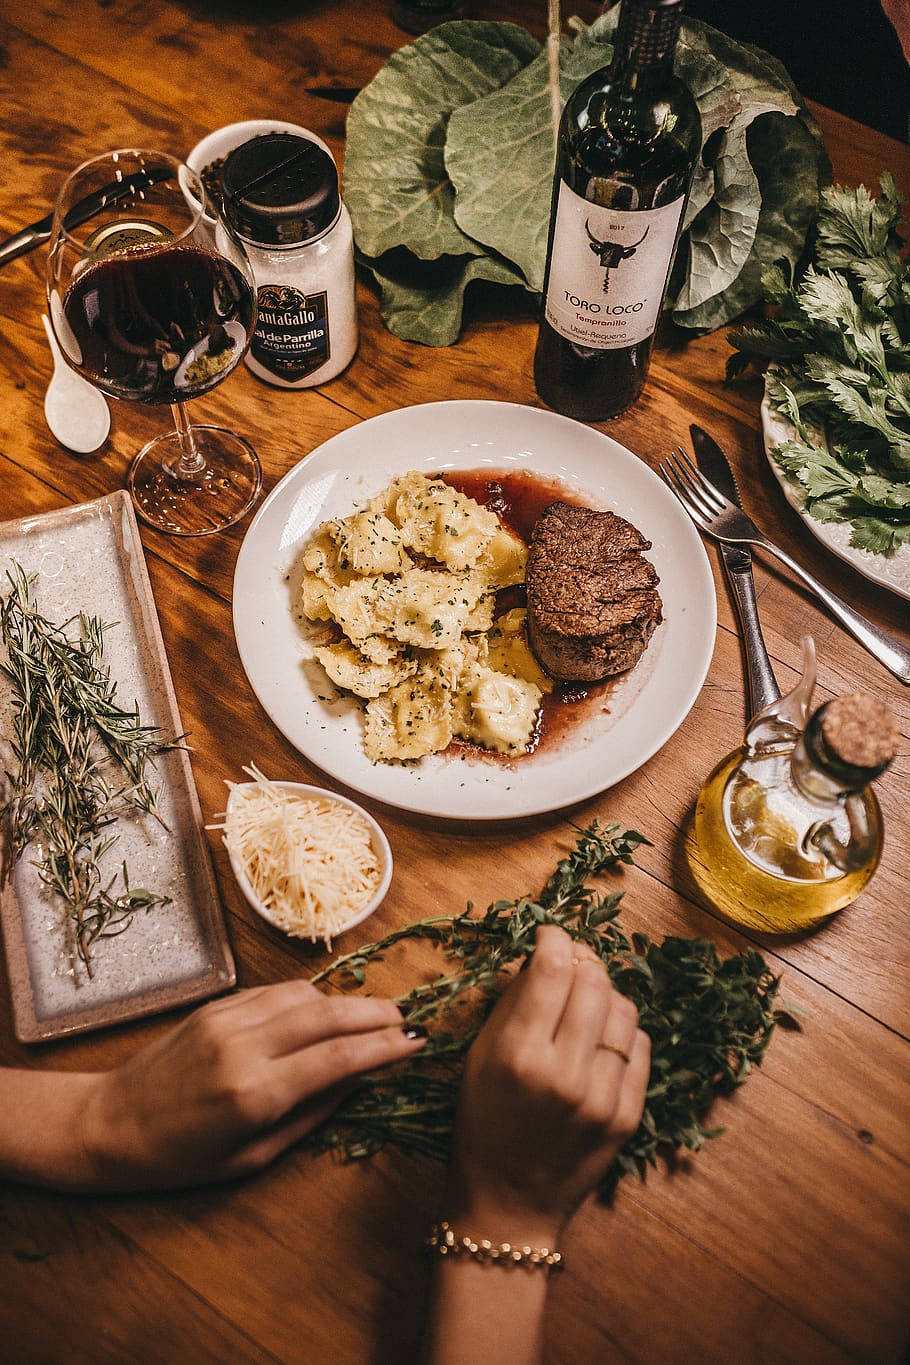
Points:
860	731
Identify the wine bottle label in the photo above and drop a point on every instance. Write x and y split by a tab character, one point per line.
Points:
292	331
608	268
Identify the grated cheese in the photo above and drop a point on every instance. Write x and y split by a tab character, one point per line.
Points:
309	860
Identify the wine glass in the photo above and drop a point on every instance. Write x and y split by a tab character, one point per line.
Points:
147	307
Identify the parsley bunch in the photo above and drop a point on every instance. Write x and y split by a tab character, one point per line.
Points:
840	347
709	1021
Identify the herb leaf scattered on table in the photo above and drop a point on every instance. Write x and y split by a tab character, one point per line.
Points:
840	347
82	765
449	162
709	1021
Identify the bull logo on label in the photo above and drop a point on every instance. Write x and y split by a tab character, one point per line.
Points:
612	254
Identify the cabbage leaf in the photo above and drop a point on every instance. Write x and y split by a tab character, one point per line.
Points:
395	182
450	160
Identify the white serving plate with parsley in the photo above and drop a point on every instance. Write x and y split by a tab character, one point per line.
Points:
891	571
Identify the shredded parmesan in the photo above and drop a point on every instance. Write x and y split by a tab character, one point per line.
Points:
309	860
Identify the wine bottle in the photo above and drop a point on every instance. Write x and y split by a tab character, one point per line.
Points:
629	139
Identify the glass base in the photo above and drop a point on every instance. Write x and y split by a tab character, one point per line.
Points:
223	491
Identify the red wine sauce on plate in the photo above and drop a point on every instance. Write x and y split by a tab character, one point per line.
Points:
518	498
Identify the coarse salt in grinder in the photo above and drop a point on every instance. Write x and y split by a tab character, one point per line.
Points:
281	197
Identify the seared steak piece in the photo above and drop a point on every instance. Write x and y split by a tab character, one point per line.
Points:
592	596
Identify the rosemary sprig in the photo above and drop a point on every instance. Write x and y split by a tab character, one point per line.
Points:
82	764
709	1021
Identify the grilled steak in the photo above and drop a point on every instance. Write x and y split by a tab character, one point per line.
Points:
592	596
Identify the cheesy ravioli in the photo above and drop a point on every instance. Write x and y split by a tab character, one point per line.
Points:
410	583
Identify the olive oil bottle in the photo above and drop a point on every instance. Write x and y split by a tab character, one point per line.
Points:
628	142
787	829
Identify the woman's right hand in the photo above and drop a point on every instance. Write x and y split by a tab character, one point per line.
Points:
554	1086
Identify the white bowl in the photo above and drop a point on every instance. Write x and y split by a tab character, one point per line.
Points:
378	841
217	145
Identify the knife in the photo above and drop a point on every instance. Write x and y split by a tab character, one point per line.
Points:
338	94
28	238
763	688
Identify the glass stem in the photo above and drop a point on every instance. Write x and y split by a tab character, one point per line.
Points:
191	462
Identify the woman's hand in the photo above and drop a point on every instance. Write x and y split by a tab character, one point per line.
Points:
233	1085
555	1084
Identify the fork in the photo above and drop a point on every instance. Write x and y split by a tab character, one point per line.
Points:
721	519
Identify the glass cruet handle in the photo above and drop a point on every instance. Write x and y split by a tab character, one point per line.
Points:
858	849
789	714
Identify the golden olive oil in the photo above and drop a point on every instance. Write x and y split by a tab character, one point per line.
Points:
749	852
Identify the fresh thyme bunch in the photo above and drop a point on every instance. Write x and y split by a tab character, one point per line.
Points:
708	1021
82	764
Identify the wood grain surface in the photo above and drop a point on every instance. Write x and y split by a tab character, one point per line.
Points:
782	1241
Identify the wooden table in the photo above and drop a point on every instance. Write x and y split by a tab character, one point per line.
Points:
781	1241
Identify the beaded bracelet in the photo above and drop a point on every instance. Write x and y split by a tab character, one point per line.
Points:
446	1242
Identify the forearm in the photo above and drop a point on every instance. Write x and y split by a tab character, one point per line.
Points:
41	1128
486	1312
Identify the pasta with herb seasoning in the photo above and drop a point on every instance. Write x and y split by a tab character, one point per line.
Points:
410	585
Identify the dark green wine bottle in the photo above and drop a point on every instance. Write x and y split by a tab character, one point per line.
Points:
628	143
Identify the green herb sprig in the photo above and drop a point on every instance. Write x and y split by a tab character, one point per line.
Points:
82	764
840	347
709	1021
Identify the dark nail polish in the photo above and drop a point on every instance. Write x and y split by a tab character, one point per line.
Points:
414	1031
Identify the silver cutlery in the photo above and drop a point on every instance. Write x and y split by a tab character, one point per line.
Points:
721	519
338	94
762	684
28	238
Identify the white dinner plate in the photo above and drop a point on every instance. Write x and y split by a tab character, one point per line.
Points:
644	708
891	571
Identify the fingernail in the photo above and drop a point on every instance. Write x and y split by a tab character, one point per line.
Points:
414	1031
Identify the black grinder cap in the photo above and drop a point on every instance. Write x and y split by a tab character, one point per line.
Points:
280	189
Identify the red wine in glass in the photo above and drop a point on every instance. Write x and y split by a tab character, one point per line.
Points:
159	324
148	304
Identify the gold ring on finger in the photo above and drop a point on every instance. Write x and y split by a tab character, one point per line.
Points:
613	1047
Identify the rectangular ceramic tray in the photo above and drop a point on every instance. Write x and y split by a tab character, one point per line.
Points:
89	559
